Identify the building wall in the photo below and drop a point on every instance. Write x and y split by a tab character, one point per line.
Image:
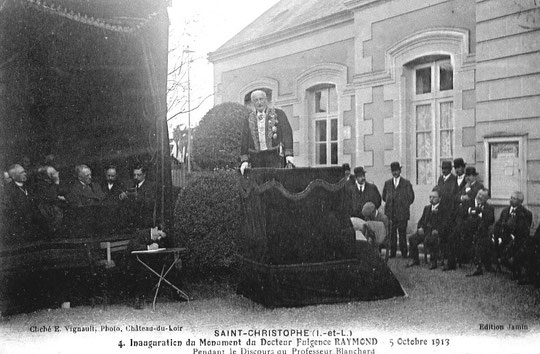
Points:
508	85
494	54
285	69
390	34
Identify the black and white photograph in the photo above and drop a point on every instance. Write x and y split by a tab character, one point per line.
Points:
270	176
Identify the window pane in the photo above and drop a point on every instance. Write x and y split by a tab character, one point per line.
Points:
446	75
423	117
320	153
333	129
333	153
423	145
424	173
320	130
446	114
332	101
446	144
423	81
321	101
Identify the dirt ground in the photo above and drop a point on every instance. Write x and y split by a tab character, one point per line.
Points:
445	305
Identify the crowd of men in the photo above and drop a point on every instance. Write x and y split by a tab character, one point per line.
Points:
36	204
457	227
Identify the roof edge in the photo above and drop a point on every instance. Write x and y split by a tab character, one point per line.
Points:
280	36
355	4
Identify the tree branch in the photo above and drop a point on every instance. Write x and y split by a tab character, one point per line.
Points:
192	109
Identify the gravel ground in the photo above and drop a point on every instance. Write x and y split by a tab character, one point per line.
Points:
438	305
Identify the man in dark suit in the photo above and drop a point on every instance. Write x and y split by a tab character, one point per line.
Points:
529	258
447	184
142	197
267	139
115	196
20	213
143	240
84	192
432	225
511	231
347	173
360	193
477	218
468	193
472	185
85	198
448	189
398	196
461	182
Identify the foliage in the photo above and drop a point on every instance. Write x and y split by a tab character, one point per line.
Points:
216	142
208	217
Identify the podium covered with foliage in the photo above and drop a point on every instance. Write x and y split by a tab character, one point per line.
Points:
299	246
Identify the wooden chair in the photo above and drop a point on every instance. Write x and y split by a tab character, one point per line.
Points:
112	247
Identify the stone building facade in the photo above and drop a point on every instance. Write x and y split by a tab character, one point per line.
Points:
368	82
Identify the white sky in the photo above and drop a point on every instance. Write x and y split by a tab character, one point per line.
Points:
203	26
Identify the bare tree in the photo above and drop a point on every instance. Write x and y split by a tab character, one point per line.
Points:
177	77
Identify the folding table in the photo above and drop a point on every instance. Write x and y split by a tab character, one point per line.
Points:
163	257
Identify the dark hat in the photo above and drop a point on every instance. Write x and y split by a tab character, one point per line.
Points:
394	166
359	171
459	162
346	167
446	164
471	171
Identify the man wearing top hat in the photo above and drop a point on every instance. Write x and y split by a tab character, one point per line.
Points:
461	181
267	139
398	196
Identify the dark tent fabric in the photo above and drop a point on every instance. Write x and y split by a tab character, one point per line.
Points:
299	246
84	82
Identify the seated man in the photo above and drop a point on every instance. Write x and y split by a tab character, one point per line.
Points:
376	226
143	240
84	192
141	194
476	218
50	201
528	257
21	216
85	201
115	200
511	231
433	223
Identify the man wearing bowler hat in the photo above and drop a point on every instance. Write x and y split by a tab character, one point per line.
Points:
447	185
472	185
398	196
448	190
362	192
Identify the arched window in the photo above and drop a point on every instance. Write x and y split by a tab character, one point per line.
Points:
323	114
432	114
